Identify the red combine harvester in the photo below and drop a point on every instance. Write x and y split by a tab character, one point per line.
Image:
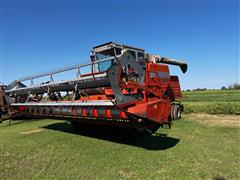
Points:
120	86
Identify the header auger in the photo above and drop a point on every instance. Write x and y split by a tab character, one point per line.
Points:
120	86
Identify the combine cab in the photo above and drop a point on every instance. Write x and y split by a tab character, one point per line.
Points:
120	86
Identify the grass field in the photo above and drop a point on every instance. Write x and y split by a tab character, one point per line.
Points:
197	147
212	96
212	102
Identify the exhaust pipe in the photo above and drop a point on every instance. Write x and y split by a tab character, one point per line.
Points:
159	59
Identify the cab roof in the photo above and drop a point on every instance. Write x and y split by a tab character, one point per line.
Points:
110	45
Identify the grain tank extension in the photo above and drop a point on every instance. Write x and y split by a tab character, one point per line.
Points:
120	86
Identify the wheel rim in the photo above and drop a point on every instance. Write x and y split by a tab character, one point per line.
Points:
178	114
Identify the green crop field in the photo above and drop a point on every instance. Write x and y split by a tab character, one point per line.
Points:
200	146
197	147
212	96
212	102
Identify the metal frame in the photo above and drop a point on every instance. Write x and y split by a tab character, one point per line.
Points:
67	103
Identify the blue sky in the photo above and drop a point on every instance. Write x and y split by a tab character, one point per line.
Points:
41	35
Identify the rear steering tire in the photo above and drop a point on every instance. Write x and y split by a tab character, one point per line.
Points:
176	112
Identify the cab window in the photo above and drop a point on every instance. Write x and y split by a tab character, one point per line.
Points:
118	51
133	53
140	56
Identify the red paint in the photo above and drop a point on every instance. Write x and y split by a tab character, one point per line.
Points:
22	108
84	111
95	112
108	112
122	115
74	112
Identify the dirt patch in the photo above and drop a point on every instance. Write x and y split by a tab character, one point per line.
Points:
213	120
31	131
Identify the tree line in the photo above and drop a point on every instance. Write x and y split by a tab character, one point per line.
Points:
231	86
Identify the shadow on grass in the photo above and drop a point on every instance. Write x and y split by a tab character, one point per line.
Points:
119	135
16	121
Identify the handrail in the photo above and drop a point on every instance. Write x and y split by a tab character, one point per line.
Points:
62	69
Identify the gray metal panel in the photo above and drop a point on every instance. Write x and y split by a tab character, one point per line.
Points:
126	59
81	103
66	111
113	73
